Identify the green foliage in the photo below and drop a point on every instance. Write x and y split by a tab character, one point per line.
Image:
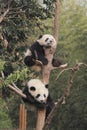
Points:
14	110
5	121
2	63
17	75
73	30
20	21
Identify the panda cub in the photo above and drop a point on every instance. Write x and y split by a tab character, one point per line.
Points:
37	94
37	51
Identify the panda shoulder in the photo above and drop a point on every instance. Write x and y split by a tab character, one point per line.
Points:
36	46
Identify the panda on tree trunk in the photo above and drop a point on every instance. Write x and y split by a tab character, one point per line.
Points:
37	52
37	94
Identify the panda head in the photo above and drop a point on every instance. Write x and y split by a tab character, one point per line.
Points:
38	90
47	41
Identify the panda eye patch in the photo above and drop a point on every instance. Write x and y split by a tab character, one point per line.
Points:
44	95
46	85
38	95
40	36
46	39
32	88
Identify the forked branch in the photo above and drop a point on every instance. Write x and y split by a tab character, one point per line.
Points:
62	100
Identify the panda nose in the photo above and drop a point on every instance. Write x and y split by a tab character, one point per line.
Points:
42	101
51	41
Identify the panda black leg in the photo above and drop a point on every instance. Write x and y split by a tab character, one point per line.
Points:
30	99
43	60
28	60
50	105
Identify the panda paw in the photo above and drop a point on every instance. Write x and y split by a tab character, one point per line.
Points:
56	63
45	62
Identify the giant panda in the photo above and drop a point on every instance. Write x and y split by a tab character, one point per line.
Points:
38	95
37	52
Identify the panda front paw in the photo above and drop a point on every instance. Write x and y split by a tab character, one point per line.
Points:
56	62
45	62
28	60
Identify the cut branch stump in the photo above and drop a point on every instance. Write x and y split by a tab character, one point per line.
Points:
22	117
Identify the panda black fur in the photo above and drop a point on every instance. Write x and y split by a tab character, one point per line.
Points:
8	69
37	94
37	51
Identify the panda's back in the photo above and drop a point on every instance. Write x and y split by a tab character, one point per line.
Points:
37	48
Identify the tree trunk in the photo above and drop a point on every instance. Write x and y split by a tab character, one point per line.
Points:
46	71
56	20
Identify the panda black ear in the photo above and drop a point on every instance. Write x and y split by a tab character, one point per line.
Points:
32	88
40	36
46	85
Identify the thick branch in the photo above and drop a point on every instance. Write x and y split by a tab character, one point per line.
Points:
50	116
46	70
17	91
63	66
50	52
56	20
40	119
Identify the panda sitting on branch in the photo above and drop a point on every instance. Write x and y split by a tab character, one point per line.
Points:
35	55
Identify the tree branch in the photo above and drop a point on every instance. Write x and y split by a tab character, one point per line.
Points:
6	11
3	15
14	87
17	91
62	100
63	66
50	52
56	20
62	72
4	40
46	69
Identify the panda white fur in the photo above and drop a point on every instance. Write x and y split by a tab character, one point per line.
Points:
37	51
47	41
37	94
38	90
